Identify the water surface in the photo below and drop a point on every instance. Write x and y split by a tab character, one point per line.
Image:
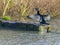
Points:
11	37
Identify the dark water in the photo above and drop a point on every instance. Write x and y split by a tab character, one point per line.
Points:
11	37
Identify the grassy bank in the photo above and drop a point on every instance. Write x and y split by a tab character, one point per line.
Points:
19	9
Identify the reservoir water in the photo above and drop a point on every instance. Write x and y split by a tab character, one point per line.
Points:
17	37
11	37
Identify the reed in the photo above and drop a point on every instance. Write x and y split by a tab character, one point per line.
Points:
24	8
6	7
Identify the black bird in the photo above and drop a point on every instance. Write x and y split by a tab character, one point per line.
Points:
41	17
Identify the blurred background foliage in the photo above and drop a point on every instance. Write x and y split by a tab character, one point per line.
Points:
19	9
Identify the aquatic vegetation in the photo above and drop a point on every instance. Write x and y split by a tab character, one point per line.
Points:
7	18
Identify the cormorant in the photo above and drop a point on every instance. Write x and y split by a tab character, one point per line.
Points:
40	17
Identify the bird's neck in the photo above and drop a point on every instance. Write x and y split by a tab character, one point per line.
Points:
38	13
